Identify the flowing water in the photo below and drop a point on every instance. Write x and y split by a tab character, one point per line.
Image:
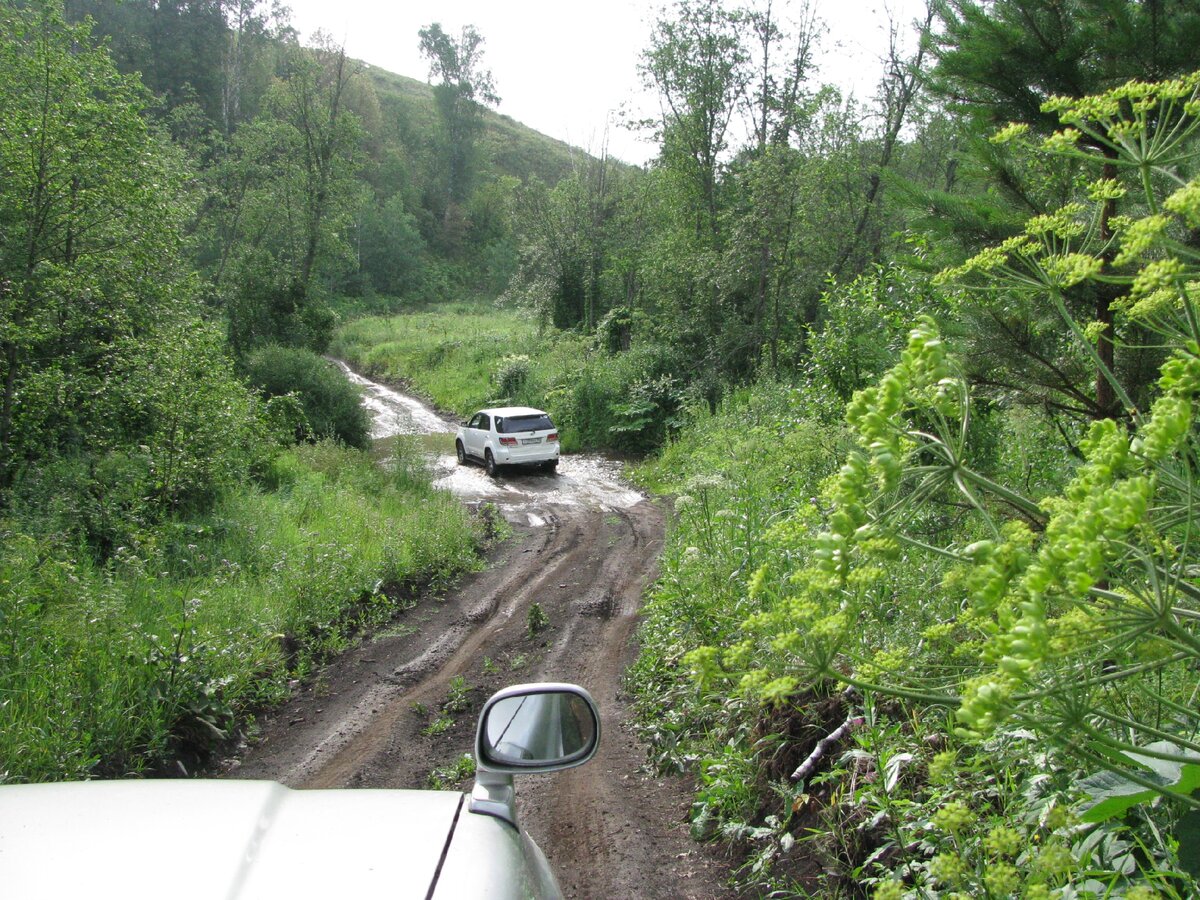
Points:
582	479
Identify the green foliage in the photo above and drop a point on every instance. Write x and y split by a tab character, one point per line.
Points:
459	96
331	404
512	375
198	438
91	205
570	261
862	327
458	697
1033	582
217	58
393	251
199	427
536	620
1062	617
1081	47
119	406
287	191
1111	793
630	402
117	668
735	472
697	61
1017	347
449	777
439	724
457	701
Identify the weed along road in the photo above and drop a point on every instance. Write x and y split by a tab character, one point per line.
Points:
556	602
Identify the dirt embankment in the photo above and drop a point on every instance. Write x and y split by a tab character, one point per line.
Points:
375	717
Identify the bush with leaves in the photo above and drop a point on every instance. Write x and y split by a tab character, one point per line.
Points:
1072	616
510	378
862	329
332	406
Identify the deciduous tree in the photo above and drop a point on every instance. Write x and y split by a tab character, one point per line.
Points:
90	215
285	196
463	89
697	62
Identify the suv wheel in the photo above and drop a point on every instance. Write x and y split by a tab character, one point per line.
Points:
462	453
489	463
551	466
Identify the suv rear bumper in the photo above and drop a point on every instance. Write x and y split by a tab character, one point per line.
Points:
516	456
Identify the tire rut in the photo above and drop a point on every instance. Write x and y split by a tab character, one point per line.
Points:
421	680
609	829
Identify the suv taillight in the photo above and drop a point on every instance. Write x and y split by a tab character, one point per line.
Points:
508	442
552	436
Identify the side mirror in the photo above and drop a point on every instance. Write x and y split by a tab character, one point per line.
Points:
529	729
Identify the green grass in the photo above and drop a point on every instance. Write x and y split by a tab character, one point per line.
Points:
111	670
465	357
448	356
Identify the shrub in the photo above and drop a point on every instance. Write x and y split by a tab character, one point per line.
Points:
510	378
332	405
178	431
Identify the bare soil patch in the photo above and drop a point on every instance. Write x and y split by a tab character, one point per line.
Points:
374	717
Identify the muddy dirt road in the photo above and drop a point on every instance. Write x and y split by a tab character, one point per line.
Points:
404	704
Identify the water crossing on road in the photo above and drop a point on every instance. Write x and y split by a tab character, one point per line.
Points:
582	480
394	413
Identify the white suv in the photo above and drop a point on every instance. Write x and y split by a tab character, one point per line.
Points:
508	435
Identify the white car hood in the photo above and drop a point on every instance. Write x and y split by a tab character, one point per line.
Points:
224	839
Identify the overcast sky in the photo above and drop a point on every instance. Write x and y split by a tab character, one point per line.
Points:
569	68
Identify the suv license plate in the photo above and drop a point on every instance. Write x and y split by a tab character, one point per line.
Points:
531	440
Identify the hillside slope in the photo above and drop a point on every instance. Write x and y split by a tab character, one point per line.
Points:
508	147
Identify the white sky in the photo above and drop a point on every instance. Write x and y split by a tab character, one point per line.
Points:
568	68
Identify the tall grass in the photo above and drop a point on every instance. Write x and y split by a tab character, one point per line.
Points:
897	804
117	668
466	357
449	356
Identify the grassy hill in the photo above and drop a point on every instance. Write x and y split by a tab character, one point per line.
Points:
507	146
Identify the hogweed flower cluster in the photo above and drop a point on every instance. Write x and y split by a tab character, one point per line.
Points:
1080	588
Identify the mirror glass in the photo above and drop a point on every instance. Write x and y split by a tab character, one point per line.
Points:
539	729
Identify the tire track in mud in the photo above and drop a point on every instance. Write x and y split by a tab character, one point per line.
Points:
423	680
584	551
608	820
608	829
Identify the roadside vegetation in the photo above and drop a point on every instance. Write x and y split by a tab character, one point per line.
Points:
921	374
185	528
463	358
166	646
948	646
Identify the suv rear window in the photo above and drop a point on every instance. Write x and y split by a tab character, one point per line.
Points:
513	424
